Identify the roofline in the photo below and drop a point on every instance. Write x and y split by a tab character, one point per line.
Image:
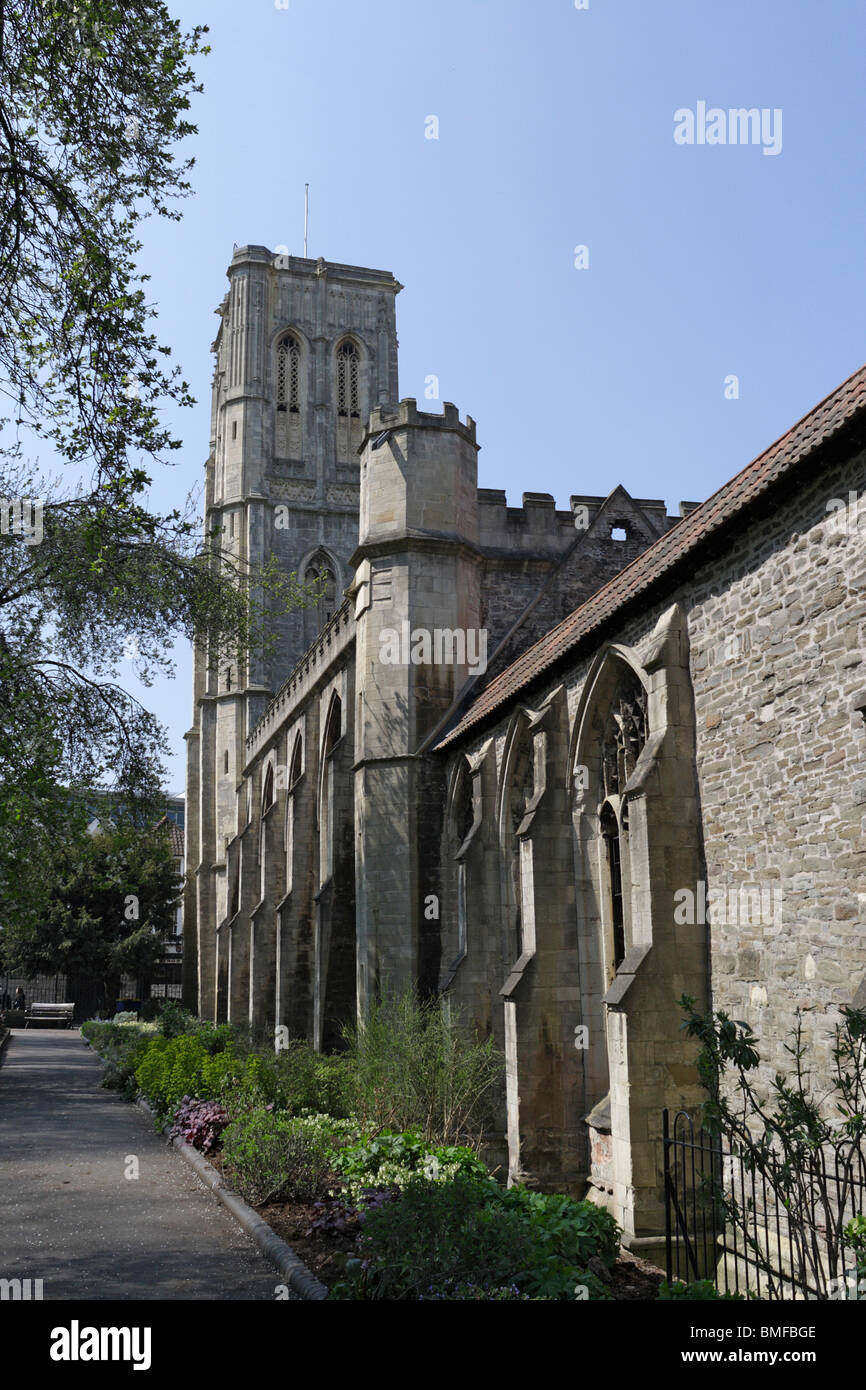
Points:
693	535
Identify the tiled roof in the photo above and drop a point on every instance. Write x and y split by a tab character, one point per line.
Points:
175	835
669	553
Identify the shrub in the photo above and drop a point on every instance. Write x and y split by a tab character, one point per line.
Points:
390	1160
411	1067
699	1290
294	1080
174	1019
440	1237
572	1230
182	1066
200	1123
271	1157
436	1236
215	1038
855	1239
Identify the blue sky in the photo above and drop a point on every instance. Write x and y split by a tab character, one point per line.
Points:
556	130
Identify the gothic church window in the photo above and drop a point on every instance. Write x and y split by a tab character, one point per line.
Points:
267	802
268	793
320	575
521	793
297	761
333	731
296	767
288	374
348	380
624	737
613	848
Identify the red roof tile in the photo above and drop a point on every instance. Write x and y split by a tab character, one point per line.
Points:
175	835
669	552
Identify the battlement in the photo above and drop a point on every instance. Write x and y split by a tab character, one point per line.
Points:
539	524
391	417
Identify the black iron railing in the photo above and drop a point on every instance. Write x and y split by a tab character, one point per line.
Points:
772	1228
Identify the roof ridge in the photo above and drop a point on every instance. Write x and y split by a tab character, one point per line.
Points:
691	531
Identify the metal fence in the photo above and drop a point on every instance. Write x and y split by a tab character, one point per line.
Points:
774	1229
40	989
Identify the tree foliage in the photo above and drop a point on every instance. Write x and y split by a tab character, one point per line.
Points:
94	101
110	907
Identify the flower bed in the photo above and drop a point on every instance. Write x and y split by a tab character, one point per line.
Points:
376	1212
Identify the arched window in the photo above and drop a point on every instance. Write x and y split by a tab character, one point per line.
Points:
521	793
335	725
267	802
296	765
333	730
288	373
268	791
624	737
320	573
295	769
348	380
463	817
610	833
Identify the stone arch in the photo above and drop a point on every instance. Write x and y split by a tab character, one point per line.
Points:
266	802
317	563
331	734
543	1075
517	791
598	808
294	772
463	813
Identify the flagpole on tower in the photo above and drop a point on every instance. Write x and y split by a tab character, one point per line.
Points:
306	216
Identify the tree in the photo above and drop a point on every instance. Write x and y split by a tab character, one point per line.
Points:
93	103
109	908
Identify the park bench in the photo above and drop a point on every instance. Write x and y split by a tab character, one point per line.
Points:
45	1013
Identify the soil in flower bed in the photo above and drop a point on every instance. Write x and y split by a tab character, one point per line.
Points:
324	1253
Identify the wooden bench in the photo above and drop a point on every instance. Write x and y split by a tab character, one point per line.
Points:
48	1013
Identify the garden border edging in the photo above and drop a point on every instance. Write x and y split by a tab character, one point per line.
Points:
299	1279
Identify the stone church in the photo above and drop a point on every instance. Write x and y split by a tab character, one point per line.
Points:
560	766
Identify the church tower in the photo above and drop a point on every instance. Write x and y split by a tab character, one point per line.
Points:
305	350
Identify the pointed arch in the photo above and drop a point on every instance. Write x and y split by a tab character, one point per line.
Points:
268	788
348	378
331	735
350	365
266	804
610	732
295	772
321	571
296	762
289	374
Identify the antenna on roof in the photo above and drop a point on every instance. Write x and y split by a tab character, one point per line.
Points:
306	216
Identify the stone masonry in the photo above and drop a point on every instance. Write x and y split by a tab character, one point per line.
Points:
653	785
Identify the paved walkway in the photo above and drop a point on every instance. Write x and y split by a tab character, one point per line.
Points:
70	1217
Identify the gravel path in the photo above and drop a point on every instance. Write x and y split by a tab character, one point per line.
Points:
70	1216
